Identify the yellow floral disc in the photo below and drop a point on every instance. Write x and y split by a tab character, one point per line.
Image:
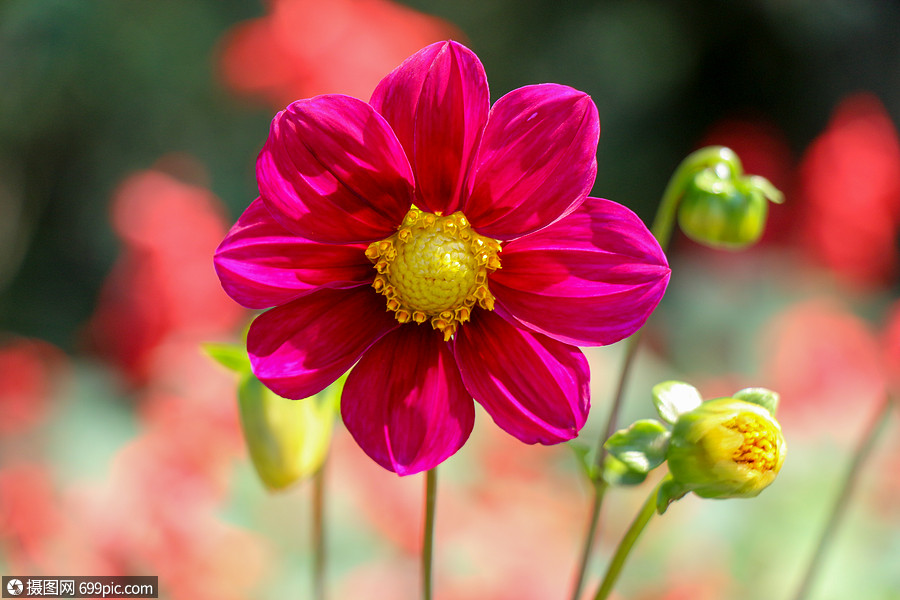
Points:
434	268
759	450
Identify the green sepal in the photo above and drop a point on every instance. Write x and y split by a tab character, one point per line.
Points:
642	447
231	356
674	398
669	491
761	396
584	456
615	472
765	187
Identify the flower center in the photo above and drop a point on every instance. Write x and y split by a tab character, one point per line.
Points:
759	451
434	268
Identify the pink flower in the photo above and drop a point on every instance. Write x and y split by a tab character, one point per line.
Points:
503	253
31	369
308	47
850	186
161	287
827	365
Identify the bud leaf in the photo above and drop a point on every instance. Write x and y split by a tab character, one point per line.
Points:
761	396
231	356
615	472
584	457
669	491
642	447
674	398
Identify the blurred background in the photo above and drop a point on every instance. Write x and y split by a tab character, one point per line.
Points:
128	136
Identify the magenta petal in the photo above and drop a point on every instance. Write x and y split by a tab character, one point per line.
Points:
333	171
437	102
534	387
298	349
261	264
405	404
592	278
537	160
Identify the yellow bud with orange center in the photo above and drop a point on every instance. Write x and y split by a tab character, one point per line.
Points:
726	448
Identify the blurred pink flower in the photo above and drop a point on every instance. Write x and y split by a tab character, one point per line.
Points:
827	364
850	190
304	48
162	285
476	525
338	178
891	342
30	516
30	369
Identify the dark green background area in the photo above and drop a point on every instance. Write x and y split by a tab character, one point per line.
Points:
92	90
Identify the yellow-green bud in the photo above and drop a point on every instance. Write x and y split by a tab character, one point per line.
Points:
724	211
726	448
287	439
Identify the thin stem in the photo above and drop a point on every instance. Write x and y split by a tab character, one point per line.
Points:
630	538
428	537
663	225
600	486
705	158
318	533
863	451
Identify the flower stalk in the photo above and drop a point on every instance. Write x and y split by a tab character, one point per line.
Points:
725	163
851	479
318	534
428	536
627	543
600	485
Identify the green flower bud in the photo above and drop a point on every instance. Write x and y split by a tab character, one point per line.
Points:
726	448
287	439
723	210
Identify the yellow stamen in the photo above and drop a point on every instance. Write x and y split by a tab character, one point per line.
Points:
434	268
759	450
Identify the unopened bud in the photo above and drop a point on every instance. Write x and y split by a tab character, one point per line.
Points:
724	210
288	440
726	448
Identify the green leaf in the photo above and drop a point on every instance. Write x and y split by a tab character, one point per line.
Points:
761	396
231	356
642	447
669	491
674	398
615	472
585	459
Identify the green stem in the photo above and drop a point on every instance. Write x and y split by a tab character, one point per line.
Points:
663	225
428	537
863	451
618	561
704	158
600	486
318	533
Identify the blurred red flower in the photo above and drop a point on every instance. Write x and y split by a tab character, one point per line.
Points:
827	365
850	191
31	369
29	515
163	284
304	48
